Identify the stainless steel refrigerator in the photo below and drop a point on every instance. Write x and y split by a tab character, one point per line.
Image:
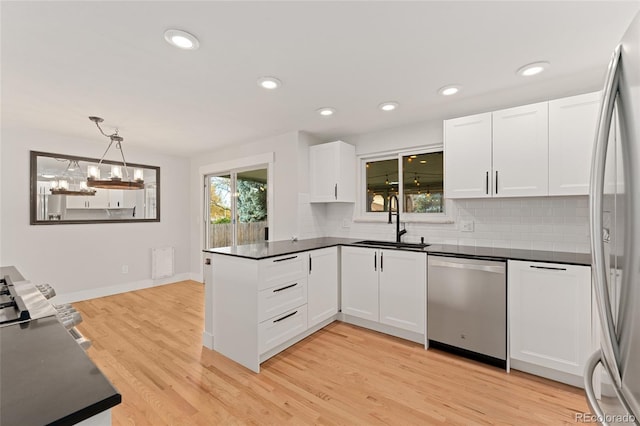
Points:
615	240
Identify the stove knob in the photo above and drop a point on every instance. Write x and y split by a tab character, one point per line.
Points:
63	306
46	290
70	319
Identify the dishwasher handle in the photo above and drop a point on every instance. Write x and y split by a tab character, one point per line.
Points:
498	269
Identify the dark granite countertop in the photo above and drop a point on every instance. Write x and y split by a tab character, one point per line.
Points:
511	254
46	378
280	248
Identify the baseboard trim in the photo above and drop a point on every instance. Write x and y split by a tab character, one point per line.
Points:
207	340
382	328
94	293
549	373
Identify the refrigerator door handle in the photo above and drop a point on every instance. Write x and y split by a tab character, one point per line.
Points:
610	348
592	400
589	370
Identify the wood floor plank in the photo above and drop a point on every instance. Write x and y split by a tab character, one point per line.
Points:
149	344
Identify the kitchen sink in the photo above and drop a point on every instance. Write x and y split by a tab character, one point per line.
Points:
393	244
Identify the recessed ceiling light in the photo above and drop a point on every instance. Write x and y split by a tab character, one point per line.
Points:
326	111
269	83
532	69
388	106
449	90
181	39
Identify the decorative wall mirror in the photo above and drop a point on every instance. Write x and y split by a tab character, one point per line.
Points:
67	189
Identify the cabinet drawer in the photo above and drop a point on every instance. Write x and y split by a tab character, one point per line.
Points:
277	300
278	330
281	270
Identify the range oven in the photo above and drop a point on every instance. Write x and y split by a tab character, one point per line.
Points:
22	302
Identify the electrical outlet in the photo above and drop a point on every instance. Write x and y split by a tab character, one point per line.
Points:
466	225
125	269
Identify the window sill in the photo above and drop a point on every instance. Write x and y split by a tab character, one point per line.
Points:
433	220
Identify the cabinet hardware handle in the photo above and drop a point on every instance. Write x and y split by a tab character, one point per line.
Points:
487	183
285	287
548	267
285	317
375	261
335	191
381	261
310	264
496	182
285	258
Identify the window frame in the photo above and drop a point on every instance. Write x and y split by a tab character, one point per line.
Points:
362	215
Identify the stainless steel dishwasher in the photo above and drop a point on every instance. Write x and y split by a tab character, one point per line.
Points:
467	307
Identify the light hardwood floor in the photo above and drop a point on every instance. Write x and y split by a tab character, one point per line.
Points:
149	344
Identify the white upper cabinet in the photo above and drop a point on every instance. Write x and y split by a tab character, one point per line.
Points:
332	172
532	150
98	201
467	156
572	131
520	151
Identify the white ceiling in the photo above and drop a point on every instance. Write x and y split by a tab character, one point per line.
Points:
64	61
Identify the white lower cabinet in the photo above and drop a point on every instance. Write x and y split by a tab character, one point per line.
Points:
385	286
278	330
550	319
360	282
274	301
260	307
322	285
403	284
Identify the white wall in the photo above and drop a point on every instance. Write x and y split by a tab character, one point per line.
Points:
84	261
290	188
543	223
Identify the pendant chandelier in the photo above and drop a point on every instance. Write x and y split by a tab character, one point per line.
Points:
72	182
115	181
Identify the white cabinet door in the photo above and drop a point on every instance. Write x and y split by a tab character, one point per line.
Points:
133	198
572	131
360	282
403	282
332	172
322	285
116	198
550	315
100	200
77	201
467	156
521	151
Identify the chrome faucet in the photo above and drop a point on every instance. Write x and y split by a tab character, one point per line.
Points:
399	233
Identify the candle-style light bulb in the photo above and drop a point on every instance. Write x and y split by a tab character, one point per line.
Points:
116	172
93	172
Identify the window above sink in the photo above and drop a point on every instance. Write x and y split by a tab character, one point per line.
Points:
416	177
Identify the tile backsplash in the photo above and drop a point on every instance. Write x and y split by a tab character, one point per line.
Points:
545	223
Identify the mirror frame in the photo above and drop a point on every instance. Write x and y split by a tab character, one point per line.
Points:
34	190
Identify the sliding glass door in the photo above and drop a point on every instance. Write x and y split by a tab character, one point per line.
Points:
236	207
